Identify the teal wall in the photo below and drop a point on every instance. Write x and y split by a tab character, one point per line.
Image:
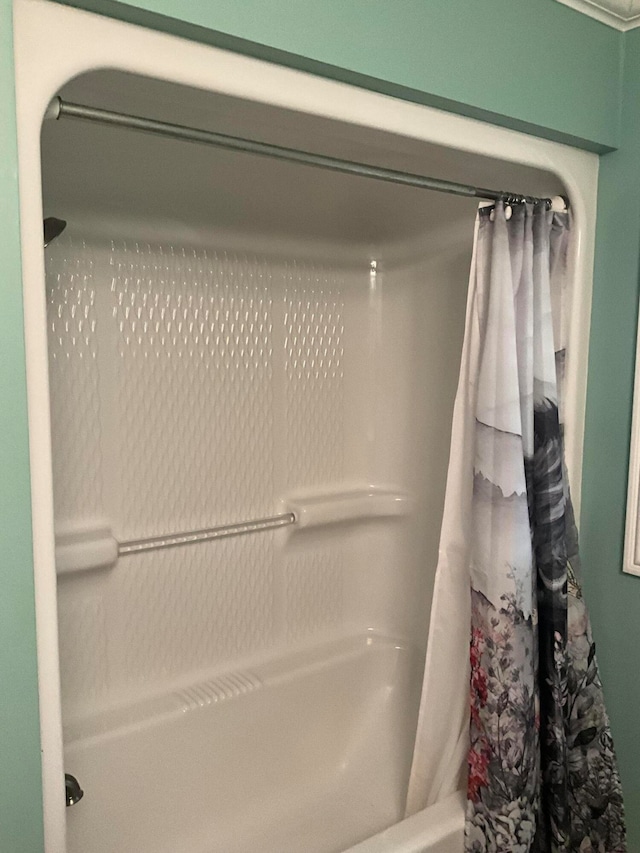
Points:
533	65
20	790
614	598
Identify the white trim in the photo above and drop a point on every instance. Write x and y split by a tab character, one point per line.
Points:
54	43
631	562
603	12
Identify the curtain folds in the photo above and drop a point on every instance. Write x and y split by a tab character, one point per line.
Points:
512	700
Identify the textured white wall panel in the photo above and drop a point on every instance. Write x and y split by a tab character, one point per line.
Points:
189	389
182	611
314	590
84	651
73	370
194	390
314	349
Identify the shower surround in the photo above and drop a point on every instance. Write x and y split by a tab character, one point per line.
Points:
230	338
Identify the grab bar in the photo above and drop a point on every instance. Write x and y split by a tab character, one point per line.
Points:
94	546
156	543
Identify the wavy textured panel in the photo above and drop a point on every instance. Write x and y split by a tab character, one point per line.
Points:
314	591
84	653
179	377
184	610
73	373
194	399
314	355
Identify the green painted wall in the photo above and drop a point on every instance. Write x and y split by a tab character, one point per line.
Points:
530	64
20	788
614	598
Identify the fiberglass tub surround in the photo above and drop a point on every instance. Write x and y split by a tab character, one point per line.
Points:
231	338
144	645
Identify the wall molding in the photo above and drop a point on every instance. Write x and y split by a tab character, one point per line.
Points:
631	563
621	14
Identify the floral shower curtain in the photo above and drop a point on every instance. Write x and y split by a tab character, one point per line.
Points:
519	709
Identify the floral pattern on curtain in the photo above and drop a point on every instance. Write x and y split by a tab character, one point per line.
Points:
542	770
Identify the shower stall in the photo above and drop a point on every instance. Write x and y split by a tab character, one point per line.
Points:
241	376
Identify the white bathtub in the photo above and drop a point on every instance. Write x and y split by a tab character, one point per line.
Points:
304	754
437	829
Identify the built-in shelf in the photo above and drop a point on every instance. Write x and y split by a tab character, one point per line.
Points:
342	506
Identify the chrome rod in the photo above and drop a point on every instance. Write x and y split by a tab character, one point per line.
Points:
192	537
66	109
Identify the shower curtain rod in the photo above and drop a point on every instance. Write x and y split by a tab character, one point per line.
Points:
58	108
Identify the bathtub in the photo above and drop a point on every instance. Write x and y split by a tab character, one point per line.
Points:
308	753
437	829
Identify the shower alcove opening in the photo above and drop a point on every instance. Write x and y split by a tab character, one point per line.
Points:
218	337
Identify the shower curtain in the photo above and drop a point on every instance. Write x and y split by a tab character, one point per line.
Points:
512	701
